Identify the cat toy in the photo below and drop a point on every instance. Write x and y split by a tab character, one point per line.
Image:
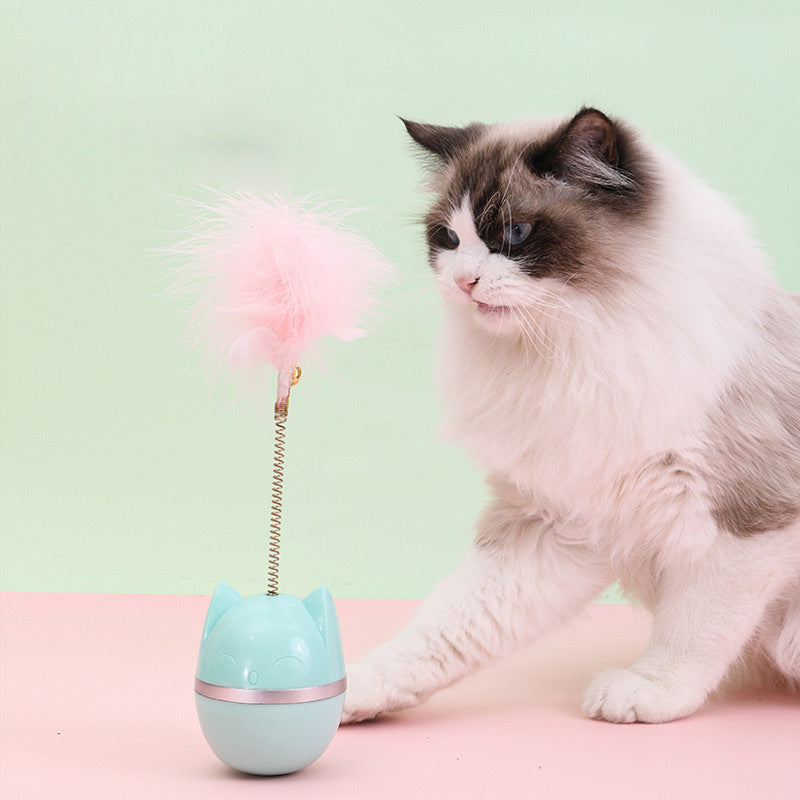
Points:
277	277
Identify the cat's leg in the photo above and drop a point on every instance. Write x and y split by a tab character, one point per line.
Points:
704	616
781	639
520	580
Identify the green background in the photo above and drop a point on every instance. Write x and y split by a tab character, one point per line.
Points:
126	470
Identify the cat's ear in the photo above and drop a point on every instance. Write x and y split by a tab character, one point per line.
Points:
591	133
588	152
223	598
440	140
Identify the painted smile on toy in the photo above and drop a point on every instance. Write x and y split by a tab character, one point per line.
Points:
287	658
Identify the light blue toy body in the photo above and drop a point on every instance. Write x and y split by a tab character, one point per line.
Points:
267	655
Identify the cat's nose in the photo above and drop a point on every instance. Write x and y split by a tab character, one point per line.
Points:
467	284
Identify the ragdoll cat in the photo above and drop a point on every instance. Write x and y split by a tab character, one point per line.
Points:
620	361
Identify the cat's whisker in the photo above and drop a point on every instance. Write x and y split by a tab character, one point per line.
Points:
556	302
534	332
531	338
490	206
554	312
412	293
560	296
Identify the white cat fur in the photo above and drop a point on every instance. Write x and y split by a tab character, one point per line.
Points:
591	414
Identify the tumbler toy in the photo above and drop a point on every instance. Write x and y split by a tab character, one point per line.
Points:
275	277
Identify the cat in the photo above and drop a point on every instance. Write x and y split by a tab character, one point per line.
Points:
619	359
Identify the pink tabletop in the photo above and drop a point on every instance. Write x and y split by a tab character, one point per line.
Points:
97	703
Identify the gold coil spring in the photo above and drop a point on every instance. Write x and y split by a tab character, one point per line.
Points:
276	504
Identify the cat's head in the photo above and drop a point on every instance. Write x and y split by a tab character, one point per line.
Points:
530	218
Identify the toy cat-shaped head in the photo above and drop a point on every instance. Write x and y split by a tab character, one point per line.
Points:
270	682
270	642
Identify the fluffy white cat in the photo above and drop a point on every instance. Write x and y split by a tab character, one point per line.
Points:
619	359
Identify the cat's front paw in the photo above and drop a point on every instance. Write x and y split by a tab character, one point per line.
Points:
623	695
370	693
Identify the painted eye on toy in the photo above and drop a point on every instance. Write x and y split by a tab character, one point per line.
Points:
518	232
453	236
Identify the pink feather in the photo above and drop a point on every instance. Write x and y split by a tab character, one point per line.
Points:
275	278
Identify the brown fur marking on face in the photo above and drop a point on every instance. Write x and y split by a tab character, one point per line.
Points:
754	436
577	186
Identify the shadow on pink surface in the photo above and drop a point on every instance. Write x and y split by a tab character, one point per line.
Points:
97	702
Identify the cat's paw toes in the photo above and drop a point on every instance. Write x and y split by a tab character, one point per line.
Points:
623	695
368	695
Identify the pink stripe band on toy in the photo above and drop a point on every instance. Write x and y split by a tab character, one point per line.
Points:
264	697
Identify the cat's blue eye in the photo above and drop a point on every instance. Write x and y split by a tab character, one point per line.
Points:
452	236
518	232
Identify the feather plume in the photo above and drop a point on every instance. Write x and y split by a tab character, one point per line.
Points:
275	277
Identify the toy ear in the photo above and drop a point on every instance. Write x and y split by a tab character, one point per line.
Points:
223	598
319	605
322	610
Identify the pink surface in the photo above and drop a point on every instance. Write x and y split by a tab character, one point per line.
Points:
97	703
